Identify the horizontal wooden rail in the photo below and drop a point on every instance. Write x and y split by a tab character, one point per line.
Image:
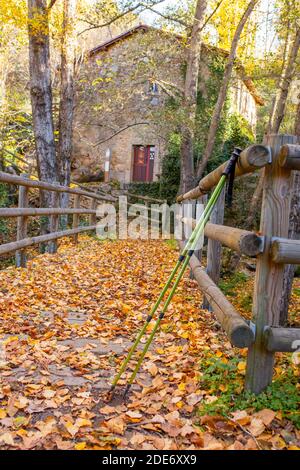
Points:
146	198
26	242
289	156
252	158
285	250
22	181
238	331
242	241
282	339
33	211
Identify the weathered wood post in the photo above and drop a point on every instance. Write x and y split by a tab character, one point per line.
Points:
93	218
22	224
269	275
76	216
54	221
214	248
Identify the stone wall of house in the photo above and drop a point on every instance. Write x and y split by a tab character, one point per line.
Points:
114	93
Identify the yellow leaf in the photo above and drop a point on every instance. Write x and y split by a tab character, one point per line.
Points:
80	422
182	386
223	387
219	354
20	421
71	428
241	366
80	446
3	413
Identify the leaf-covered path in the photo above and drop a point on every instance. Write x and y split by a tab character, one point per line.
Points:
66	322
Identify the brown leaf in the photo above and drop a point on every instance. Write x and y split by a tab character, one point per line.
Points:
266	416
116	425
193	399
256	427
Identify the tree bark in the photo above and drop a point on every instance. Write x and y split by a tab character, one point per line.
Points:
284	85
297	119
190	99
66	107
223	90
41	97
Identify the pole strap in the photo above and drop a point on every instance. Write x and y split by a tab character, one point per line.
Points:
230	172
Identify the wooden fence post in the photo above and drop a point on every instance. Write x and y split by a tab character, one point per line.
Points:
93	218
76	216
198	253
269	275
54	220
214	248
22	225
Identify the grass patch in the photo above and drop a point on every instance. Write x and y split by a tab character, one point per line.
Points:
224	379
172	243
296	291
230	285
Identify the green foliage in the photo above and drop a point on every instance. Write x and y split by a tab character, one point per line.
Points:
170	175
230	284
172	243
225	381
146	189
3	203
206	102
233	130
3	195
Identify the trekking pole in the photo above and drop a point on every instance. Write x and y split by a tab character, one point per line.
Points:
200	227
157	303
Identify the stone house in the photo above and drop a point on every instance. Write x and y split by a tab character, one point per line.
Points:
122	91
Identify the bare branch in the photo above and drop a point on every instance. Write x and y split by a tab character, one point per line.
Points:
51	4
212	14
119	15
168	17
119	132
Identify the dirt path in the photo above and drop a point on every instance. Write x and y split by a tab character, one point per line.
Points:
66	322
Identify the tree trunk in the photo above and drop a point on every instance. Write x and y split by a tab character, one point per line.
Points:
66	107
284	61
190	99
41	97
297	119
223	90
284	85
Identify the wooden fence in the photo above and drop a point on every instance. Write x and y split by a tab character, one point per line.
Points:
263	336
23	211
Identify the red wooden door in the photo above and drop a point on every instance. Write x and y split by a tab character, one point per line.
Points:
143	163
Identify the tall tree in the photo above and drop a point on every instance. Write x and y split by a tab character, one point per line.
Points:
41	94
223	90
66	106
190	98
284	85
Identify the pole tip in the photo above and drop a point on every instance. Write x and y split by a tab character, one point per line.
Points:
126	390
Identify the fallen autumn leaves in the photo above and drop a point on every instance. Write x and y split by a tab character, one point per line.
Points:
67	321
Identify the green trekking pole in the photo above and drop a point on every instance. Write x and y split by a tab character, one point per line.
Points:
200	227
182	256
